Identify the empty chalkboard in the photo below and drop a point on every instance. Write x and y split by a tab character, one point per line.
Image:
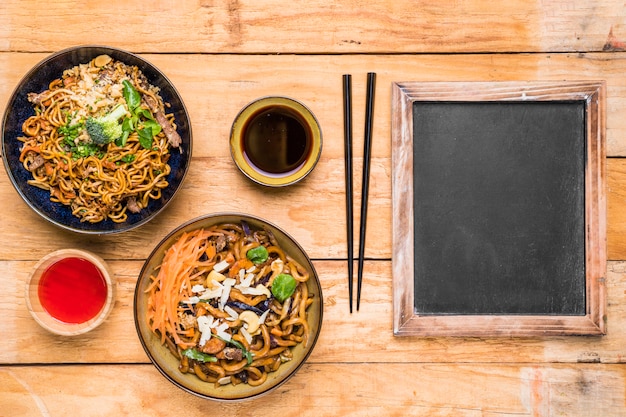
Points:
498	208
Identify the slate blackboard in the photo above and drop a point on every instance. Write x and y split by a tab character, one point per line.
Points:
499	207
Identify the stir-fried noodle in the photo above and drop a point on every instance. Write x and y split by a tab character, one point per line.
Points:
99	181
229	303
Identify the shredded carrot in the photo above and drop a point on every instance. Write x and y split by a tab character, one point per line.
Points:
211	251
27	148
49	169
172	284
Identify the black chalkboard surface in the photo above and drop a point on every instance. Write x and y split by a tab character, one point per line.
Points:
499	207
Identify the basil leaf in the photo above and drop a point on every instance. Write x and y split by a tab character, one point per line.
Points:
152	124
128	124
132	96
198	356
145	113
283	286
257	255
145	137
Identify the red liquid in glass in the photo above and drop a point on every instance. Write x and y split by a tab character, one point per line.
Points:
72	290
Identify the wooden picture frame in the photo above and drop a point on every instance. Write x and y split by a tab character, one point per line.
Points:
407	321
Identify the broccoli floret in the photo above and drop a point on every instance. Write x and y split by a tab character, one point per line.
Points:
105	129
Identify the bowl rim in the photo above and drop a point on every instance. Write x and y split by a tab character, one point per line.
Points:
15	93
179	230
53	325
241	160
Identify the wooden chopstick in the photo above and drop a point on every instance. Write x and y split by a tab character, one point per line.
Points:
347	133
367	153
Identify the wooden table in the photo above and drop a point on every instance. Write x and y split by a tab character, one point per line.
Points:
220	56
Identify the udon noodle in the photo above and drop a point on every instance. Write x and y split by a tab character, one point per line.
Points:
222	308
98	181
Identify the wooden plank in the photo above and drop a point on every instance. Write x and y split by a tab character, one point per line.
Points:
216	87
228	190
365	336
214	184
318	26
316	82
326	389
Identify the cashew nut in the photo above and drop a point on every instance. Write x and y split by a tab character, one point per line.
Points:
251	319
214	275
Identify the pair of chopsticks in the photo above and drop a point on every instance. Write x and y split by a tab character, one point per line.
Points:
367	152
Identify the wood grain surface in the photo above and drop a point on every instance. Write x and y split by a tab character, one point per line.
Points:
220	55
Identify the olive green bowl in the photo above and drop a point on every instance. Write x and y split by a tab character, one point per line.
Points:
165	361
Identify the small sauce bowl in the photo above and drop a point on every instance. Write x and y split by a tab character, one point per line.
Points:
275	141
70	292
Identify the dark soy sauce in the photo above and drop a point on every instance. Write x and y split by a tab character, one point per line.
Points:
276	141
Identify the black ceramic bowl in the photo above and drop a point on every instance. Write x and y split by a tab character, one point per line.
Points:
19	109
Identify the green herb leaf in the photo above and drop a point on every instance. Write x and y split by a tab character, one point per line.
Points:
128	125
132	96
145	113
198	356
152	124
257	255
145	137
283	286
